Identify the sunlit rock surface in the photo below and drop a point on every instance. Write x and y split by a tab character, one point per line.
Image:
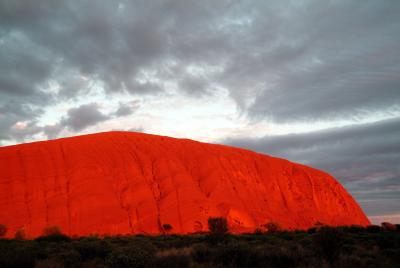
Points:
124	183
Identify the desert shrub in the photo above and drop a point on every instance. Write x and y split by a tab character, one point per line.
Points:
48	263
51	230
172	261
166	227
373	228
53	234
91	249
93	263
393	254
328	242
274	256
286	235
233	254
272	227
387	240
132	257
218	225
53	238
17	254
201	253
3	230
355	228
350	261
258	231
312	230
20	234
69	257
387	226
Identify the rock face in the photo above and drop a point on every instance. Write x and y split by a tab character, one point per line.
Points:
124	182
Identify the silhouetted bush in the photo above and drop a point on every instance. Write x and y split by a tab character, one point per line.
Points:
274	256
217	225
166	227
48	263
258	231
201	253
387	226
387	240
233	254
172	261
272	227
94	263
373	228
355	229
51	230
69	257
328	242
17	254
312	230
92	248
3	230
327	247
20	234
132	257
54	238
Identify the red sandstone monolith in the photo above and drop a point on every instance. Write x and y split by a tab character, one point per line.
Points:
129	183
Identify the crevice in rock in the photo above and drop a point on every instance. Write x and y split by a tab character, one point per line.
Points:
155	189
25	183
67	184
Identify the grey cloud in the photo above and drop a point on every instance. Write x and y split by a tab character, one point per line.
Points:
365	158
127	108
83	116
52	131
298	61
77	119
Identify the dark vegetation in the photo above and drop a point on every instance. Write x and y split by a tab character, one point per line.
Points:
269	246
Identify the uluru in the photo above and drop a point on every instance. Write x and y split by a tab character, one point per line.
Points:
134	183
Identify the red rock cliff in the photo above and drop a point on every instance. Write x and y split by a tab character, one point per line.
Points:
123	182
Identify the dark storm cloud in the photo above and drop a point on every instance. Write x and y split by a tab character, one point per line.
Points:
77	119
365	158
83	116
283	61
321	60
127	108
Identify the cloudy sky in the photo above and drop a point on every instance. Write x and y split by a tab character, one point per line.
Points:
316	82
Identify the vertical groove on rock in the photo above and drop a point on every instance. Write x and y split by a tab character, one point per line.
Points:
134	155
285	203
234	186
25	183
178	207
155	189
137	219
316	202
44	191
67	184
125	192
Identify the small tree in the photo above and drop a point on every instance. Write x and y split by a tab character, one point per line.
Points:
51	230
20	234
218	225
272	227
328	242
387	226
166	227
3	230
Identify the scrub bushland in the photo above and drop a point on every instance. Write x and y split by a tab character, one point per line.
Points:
351	246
